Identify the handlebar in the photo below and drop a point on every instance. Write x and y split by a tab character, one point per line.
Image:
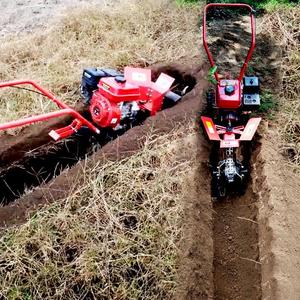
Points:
64	109
250	52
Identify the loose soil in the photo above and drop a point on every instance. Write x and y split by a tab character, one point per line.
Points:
237	266
195	274
277	183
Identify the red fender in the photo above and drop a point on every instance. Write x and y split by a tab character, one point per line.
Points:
210	129
250	129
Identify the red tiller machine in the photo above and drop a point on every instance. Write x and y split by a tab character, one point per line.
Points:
116	101
226	122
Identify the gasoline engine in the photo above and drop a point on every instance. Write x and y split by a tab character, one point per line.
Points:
118	100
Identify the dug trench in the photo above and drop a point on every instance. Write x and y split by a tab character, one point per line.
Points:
219	251
32	159
196	254
239	268
30	178
237	264
219	255
223	253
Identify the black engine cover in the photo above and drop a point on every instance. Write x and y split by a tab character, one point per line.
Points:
91	78
251	85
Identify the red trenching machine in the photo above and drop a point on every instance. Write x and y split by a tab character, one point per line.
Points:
227	123
115	100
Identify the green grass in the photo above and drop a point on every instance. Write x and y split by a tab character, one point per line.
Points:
269	104
188	2
268	5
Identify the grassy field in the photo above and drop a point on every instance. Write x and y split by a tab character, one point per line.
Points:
116	236
262	4
284	27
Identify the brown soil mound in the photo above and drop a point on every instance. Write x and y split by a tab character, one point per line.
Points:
278	185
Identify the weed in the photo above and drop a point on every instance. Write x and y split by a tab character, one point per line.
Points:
284	26
269	104
187	2
268	5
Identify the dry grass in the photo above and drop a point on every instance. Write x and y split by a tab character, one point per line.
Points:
284	26
137	32
115	237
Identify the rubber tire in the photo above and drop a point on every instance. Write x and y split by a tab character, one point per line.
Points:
210	103
218	189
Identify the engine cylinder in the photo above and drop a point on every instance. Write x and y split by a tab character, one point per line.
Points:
104	112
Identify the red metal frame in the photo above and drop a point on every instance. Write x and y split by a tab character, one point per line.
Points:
64	110
246	133
250	52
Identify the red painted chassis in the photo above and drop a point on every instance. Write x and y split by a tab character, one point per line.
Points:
64	110
229	139
149	96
